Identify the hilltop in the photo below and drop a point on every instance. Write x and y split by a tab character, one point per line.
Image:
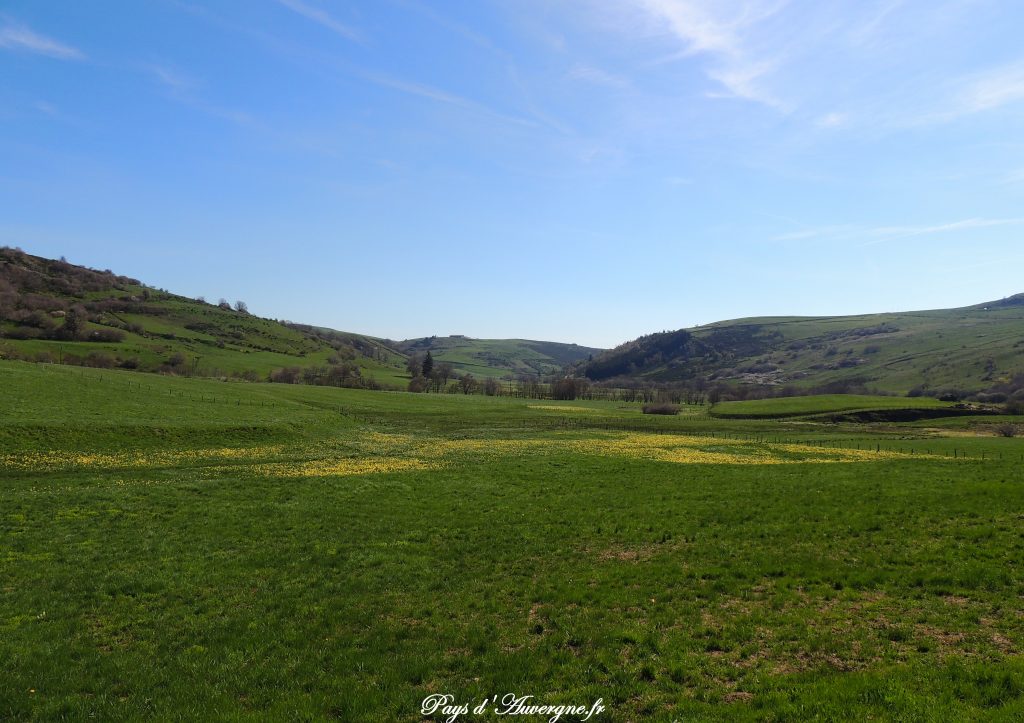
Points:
52	310
968	349
504	358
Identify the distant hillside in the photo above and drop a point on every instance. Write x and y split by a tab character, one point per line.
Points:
972	349
54	310
499	357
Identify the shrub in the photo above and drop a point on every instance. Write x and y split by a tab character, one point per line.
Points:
564	389
661	408
23	332
288	375
99	360
990	397
110	335
1007	429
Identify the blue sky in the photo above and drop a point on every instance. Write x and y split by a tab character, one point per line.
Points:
584	170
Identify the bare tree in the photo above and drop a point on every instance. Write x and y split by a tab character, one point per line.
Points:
468	384
564	389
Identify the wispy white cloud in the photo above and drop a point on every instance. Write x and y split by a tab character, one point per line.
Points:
819	232
694	23
1014	177
832	120
721	30
185	90
597	76
45	107
321	17
891	233
868	30
744	81
993	89
868	65
943	101
430	92
172	79
475	37
533	108
18	37
875	235
331	63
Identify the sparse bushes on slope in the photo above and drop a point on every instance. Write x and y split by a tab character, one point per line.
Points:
661	409
1007	429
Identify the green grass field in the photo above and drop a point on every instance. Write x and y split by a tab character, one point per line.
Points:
181	548
820	404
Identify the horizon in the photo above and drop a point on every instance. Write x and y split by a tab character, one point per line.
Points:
579	172
370	334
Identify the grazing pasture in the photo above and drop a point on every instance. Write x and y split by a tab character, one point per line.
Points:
821	404
183	548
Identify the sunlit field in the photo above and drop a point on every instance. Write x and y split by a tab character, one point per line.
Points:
174	548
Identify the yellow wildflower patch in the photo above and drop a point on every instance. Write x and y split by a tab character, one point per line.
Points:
558	408
56	460
342	467
379	453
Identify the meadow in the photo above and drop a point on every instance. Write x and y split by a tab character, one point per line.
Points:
821	404
187	548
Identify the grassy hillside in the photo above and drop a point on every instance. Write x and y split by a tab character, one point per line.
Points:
177	548
972	348
56	311
499	357
120	322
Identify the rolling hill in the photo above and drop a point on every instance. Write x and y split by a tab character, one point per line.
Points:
499	357
972	349
52	310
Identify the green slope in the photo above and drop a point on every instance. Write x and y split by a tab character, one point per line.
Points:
124	323
972	348
499	357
